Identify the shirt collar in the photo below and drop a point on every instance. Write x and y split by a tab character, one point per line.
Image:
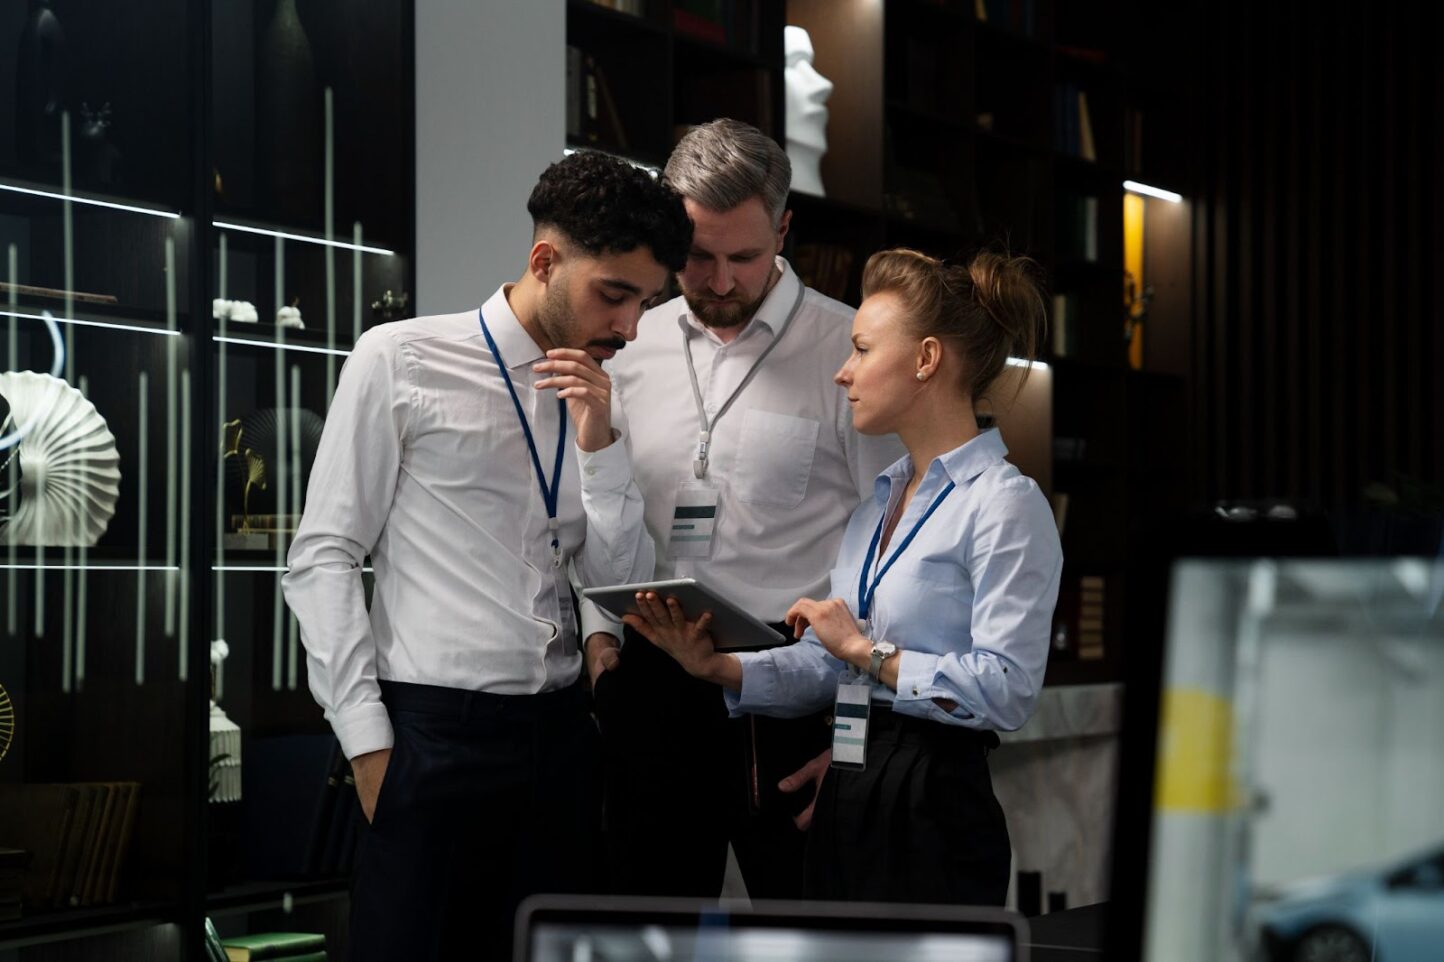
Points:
517	348
960	465
769	317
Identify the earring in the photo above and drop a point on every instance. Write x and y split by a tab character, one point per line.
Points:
922	376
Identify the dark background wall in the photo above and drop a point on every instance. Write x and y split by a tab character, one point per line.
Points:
1314	162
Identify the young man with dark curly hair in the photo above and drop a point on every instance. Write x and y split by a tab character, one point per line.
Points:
472	457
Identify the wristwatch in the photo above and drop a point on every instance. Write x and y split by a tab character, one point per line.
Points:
881	652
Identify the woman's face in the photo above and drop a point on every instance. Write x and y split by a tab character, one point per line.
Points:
881	374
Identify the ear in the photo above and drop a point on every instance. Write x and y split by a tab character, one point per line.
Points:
542	262
930	356
782	226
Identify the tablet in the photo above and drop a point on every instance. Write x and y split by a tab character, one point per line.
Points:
732	628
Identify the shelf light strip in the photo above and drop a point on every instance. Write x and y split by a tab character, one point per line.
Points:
224	225
86	567
1023	362
1134	187
281	347
232	569
91	201
81	322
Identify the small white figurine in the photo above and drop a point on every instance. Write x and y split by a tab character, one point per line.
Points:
290	317
807	93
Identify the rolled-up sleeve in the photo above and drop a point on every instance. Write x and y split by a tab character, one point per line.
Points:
352	486
786	682
1015	565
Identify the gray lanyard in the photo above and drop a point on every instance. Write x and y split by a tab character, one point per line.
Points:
704	437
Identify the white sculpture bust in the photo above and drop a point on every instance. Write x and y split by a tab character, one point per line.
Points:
807	93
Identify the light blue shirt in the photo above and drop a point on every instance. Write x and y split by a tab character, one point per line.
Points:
969	602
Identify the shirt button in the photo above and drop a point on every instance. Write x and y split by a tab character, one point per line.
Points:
915	691
591	471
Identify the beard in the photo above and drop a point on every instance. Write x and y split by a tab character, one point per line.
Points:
558	322
723	313
556	318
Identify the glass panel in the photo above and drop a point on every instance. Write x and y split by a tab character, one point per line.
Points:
96	443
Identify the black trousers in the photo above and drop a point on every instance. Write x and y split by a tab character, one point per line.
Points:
682	780
919	824
487	799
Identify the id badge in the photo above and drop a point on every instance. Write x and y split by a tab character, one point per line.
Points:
694	521
849	722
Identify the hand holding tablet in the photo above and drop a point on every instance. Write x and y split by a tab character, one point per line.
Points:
732	629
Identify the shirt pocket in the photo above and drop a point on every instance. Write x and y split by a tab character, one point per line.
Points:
774	459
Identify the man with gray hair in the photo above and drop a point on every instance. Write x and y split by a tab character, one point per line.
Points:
731	411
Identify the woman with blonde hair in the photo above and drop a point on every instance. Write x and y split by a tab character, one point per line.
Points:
936	634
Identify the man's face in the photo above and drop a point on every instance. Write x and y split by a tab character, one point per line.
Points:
593	303
730	263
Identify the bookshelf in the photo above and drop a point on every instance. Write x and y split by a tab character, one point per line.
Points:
1016	122
955	123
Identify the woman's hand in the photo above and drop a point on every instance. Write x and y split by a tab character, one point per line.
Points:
666	625
834	625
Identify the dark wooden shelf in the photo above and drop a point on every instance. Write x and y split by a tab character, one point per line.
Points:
61	925
990	32
616	17
911	113
257	896
720	54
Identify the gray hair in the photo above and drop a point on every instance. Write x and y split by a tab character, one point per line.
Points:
723	163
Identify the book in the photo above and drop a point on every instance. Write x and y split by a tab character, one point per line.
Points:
36	818
273	945
91	841
1087	149
702	19
127	829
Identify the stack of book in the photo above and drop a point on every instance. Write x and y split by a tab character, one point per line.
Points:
276	947
77	836
12	877
1073	122
1090	617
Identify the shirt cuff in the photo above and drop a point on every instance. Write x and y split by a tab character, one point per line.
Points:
606	470
364	728
597	619
759	684
917	673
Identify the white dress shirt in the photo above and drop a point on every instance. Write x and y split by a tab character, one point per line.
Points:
423	465
969	601
788	462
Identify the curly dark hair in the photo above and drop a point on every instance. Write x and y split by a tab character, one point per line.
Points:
607	206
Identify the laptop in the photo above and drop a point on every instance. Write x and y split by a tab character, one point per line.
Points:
629	929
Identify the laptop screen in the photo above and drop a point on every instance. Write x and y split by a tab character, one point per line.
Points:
636	930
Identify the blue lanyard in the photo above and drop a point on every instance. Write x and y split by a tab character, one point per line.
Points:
549	492
864	592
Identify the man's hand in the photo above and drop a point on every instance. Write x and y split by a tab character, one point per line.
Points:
579	379
603	653
370	771
810	774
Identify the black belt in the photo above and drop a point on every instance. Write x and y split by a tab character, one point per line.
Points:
883	721
463	705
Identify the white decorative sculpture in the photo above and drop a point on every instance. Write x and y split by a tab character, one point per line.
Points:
807	93
225	735
69	466
290	317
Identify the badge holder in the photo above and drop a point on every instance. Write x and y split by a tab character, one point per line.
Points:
849	721
694	521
